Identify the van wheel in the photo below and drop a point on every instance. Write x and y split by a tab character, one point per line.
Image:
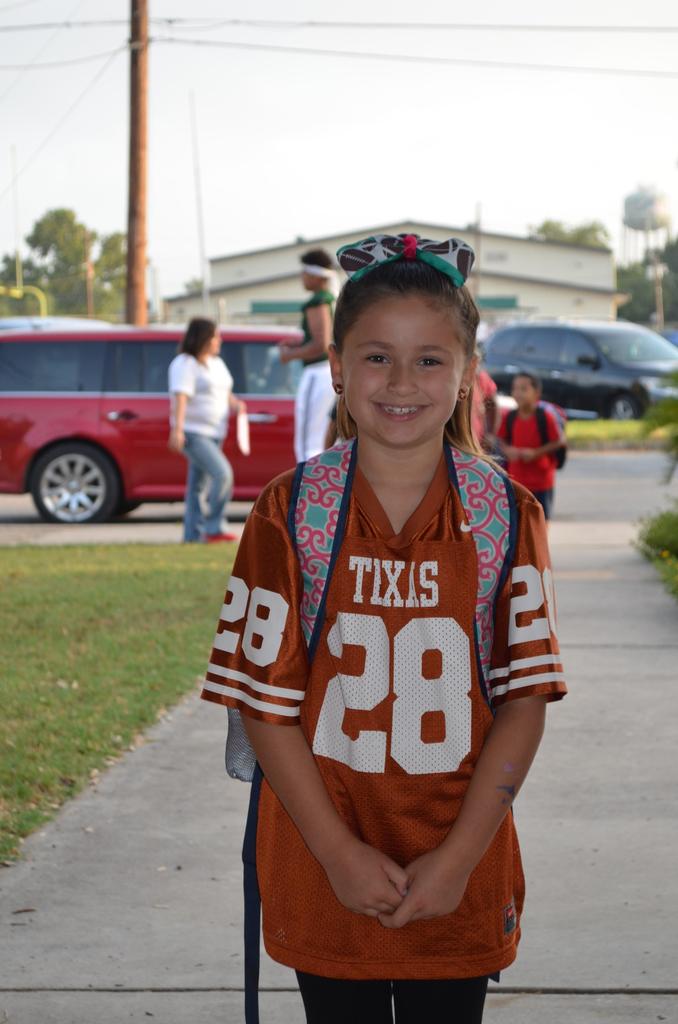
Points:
624	407
75	483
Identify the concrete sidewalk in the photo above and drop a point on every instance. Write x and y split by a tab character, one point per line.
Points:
128	906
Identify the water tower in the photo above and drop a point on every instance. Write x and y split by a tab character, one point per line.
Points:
647	222
647	227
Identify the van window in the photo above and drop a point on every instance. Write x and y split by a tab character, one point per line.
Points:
232	354
539	346
51	366
263	372
123	367
574	346
501	344
156	357
631	343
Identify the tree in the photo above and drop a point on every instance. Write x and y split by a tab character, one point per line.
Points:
592	233
193	286
60	247
635	282
110	271
669	256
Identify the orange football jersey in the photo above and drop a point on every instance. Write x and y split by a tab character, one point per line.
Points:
395	712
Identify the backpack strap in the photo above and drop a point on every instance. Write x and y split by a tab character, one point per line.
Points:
316	521
252	908
542	425
510	420
490	508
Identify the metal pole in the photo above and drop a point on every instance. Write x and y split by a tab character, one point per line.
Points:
204	269
89	276
136	311
475	280
658	291
17	235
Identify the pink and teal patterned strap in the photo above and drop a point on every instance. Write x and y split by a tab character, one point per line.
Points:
321	500
453	257
486	496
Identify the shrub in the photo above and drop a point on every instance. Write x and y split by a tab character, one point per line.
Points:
665	414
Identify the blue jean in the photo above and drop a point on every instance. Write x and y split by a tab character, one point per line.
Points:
545	499
210	471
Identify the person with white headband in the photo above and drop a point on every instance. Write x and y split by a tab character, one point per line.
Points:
315	397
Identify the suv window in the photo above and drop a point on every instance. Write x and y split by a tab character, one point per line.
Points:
574	346
503	342
629	343
51	366
540	346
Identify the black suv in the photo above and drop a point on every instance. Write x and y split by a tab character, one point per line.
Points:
612	369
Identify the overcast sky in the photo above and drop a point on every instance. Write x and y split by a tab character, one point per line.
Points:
296	144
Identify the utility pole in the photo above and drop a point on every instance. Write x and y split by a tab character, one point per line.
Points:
89	275
204	266
136	311
17	233
659	269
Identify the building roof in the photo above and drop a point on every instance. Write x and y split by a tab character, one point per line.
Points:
254	282
385	228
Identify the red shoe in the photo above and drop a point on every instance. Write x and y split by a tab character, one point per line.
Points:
216	538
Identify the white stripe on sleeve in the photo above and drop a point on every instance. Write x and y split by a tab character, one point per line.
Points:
525	682
260	705
515	666
241	677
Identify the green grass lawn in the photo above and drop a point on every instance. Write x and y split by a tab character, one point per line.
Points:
582	434
96	642
597	435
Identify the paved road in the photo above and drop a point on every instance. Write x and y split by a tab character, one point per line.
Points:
128	906
615	488
149	524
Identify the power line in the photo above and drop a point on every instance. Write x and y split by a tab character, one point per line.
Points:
61	63
45	46
18	3
42	26
194	24
63	119
416	59
435	25
361	55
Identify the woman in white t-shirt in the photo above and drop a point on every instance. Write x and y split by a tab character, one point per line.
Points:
201	397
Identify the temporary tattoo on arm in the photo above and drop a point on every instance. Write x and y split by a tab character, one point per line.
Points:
509	791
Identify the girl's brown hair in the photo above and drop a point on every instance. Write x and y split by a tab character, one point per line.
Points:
198	333
399	279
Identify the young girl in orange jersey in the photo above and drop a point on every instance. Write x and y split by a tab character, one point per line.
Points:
393	746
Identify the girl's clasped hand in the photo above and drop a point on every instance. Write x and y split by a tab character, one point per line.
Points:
369	882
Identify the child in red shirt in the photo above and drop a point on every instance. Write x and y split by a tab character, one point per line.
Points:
530	461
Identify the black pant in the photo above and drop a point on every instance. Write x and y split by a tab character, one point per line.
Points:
337	1001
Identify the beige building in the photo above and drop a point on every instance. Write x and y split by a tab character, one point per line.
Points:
514	277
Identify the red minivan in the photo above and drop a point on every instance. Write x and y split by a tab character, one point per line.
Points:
84	417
